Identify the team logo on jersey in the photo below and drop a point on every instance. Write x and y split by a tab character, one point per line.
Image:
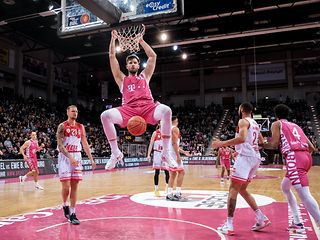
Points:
198	199
131	87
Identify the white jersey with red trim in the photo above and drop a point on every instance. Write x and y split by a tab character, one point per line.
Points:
157	145
250	147
72	137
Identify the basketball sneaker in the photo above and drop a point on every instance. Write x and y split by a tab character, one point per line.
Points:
261	224
296	228
22	179
165	157
38	186
73	219
226	229
172	197
66	211
157	193
111	164
180	197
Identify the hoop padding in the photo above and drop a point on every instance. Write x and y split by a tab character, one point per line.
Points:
129	37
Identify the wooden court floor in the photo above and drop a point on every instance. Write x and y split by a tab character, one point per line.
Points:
19	198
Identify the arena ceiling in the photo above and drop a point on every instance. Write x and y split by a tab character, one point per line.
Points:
214	27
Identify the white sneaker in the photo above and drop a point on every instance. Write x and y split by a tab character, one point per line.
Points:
111	164
165	157
226	229
261	224
22	179
39	187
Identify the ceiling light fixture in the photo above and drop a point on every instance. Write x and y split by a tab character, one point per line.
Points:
163	36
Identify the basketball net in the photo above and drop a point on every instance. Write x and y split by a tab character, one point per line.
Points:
129	37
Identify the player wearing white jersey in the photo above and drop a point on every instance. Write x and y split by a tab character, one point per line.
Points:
158	164
178	170
70	136
246	142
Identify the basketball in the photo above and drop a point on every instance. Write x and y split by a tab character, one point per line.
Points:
136	126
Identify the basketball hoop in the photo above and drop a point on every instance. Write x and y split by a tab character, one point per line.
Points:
129	37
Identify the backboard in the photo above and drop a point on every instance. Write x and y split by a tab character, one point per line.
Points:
77	20
264	124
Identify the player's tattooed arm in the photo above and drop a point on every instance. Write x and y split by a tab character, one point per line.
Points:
231	207
60	138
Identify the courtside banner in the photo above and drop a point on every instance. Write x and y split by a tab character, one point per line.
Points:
16	167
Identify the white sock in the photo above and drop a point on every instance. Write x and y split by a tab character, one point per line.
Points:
292	201
259	214
72	210
230	221
156	187
164	114
109	118
170	190
65	204
178	190
309	202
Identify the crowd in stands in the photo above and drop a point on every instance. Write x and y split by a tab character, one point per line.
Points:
197	125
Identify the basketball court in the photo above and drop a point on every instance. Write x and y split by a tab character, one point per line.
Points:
121	205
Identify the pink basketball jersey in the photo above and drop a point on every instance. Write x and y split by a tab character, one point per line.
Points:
292	138
136	91
225	154
31	150
72	137
157	145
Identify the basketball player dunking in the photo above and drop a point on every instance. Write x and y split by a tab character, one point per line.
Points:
70	136
137	100
248	160
156	145
29	152
296	149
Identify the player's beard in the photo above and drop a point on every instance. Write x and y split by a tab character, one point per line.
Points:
133	71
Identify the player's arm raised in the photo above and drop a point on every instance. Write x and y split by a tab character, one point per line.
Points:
275	140
86	147
152	58
114	64
62	149
150	146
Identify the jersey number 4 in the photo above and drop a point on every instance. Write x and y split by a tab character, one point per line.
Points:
295	133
